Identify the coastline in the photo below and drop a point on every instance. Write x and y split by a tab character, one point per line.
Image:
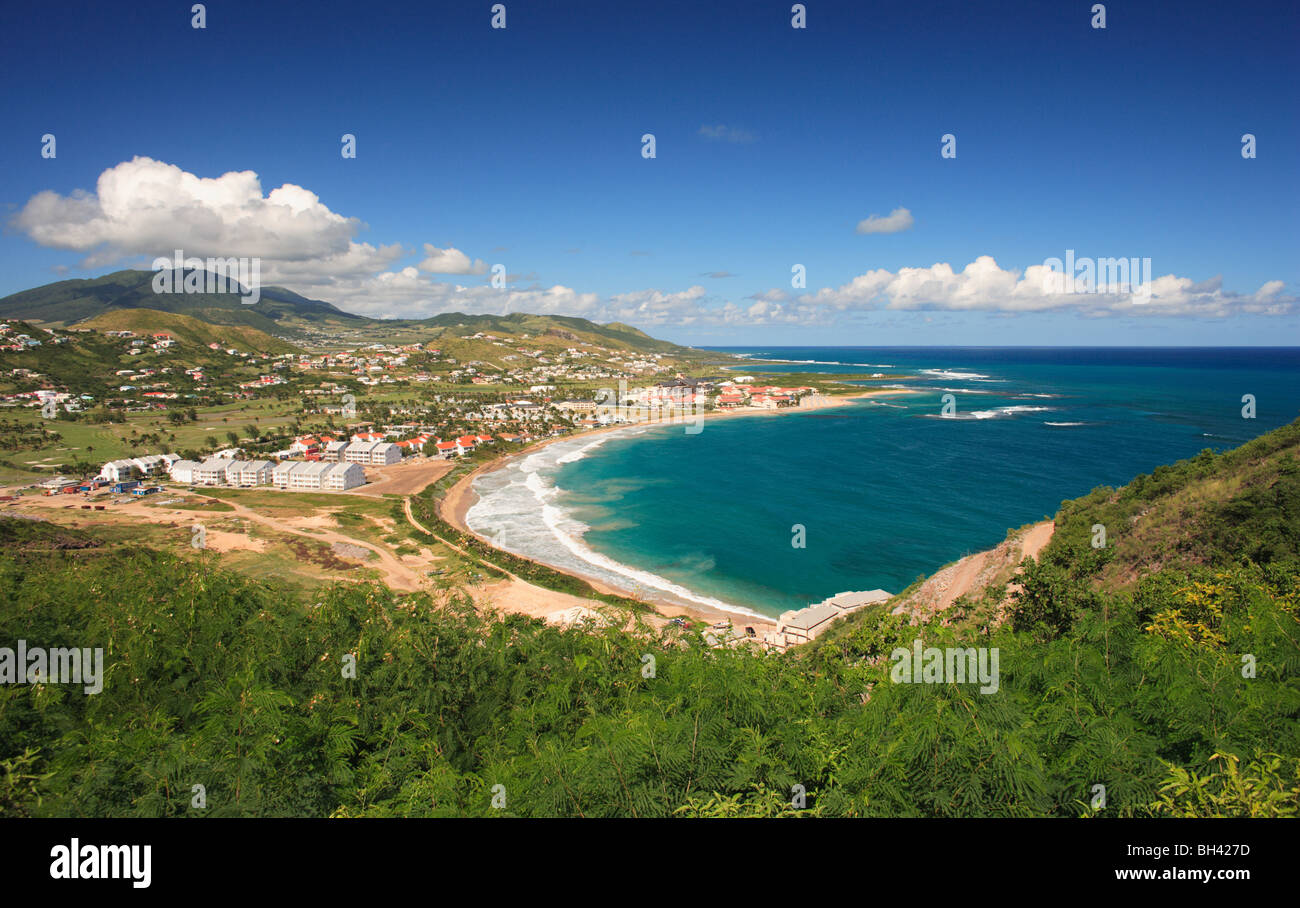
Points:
455	504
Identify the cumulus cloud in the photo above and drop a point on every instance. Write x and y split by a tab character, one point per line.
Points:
450	261
148	207
898	220
984	286
144	208
722	133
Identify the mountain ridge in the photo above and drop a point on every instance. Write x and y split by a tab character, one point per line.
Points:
285	313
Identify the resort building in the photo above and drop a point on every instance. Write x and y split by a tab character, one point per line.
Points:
280	473
183	471
318	475
118	470
374	453
343	476
212	472
154	464
250	473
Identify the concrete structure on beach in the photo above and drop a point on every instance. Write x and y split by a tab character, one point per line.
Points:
805	624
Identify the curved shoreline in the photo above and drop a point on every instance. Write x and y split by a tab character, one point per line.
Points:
455	504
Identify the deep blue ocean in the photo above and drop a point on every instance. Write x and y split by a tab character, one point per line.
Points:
887	489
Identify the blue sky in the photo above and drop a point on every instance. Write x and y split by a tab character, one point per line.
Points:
522	147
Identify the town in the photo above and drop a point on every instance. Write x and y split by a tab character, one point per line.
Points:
324	420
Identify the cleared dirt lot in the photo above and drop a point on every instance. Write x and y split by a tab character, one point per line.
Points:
403	478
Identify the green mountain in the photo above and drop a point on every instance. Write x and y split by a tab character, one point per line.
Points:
284	313
279	311
516	324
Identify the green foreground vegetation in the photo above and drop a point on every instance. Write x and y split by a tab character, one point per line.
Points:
1162	666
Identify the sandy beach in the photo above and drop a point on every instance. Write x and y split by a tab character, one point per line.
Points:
461	497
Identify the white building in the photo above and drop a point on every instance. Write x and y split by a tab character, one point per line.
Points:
155	464
280	475
250	473
212	472
805	624
385	453
343	476
374	453
334	451
118	470
183	471
317	475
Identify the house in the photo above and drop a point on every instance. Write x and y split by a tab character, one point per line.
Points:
447	449
334	451
368	436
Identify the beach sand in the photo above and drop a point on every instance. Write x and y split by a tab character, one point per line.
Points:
461	497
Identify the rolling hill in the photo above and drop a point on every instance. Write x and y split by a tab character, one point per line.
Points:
187	329
285	314
279	311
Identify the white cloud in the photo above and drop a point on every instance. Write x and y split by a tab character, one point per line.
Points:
984	286
898	220
450	261
147	207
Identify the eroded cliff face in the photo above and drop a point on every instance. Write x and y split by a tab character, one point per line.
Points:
971	575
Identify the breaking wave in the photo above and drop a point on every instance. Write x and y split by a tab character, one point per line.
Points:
521	510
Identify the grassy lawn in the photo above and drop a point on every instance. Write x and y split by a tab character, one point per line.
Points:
280	503
103	442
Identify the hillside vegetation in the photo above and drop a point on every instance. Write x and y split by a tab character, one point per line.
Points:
278	311
1168	676
186	329
285	314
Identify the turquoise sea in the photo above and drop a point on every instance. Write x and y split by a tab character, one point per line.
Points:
887	489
